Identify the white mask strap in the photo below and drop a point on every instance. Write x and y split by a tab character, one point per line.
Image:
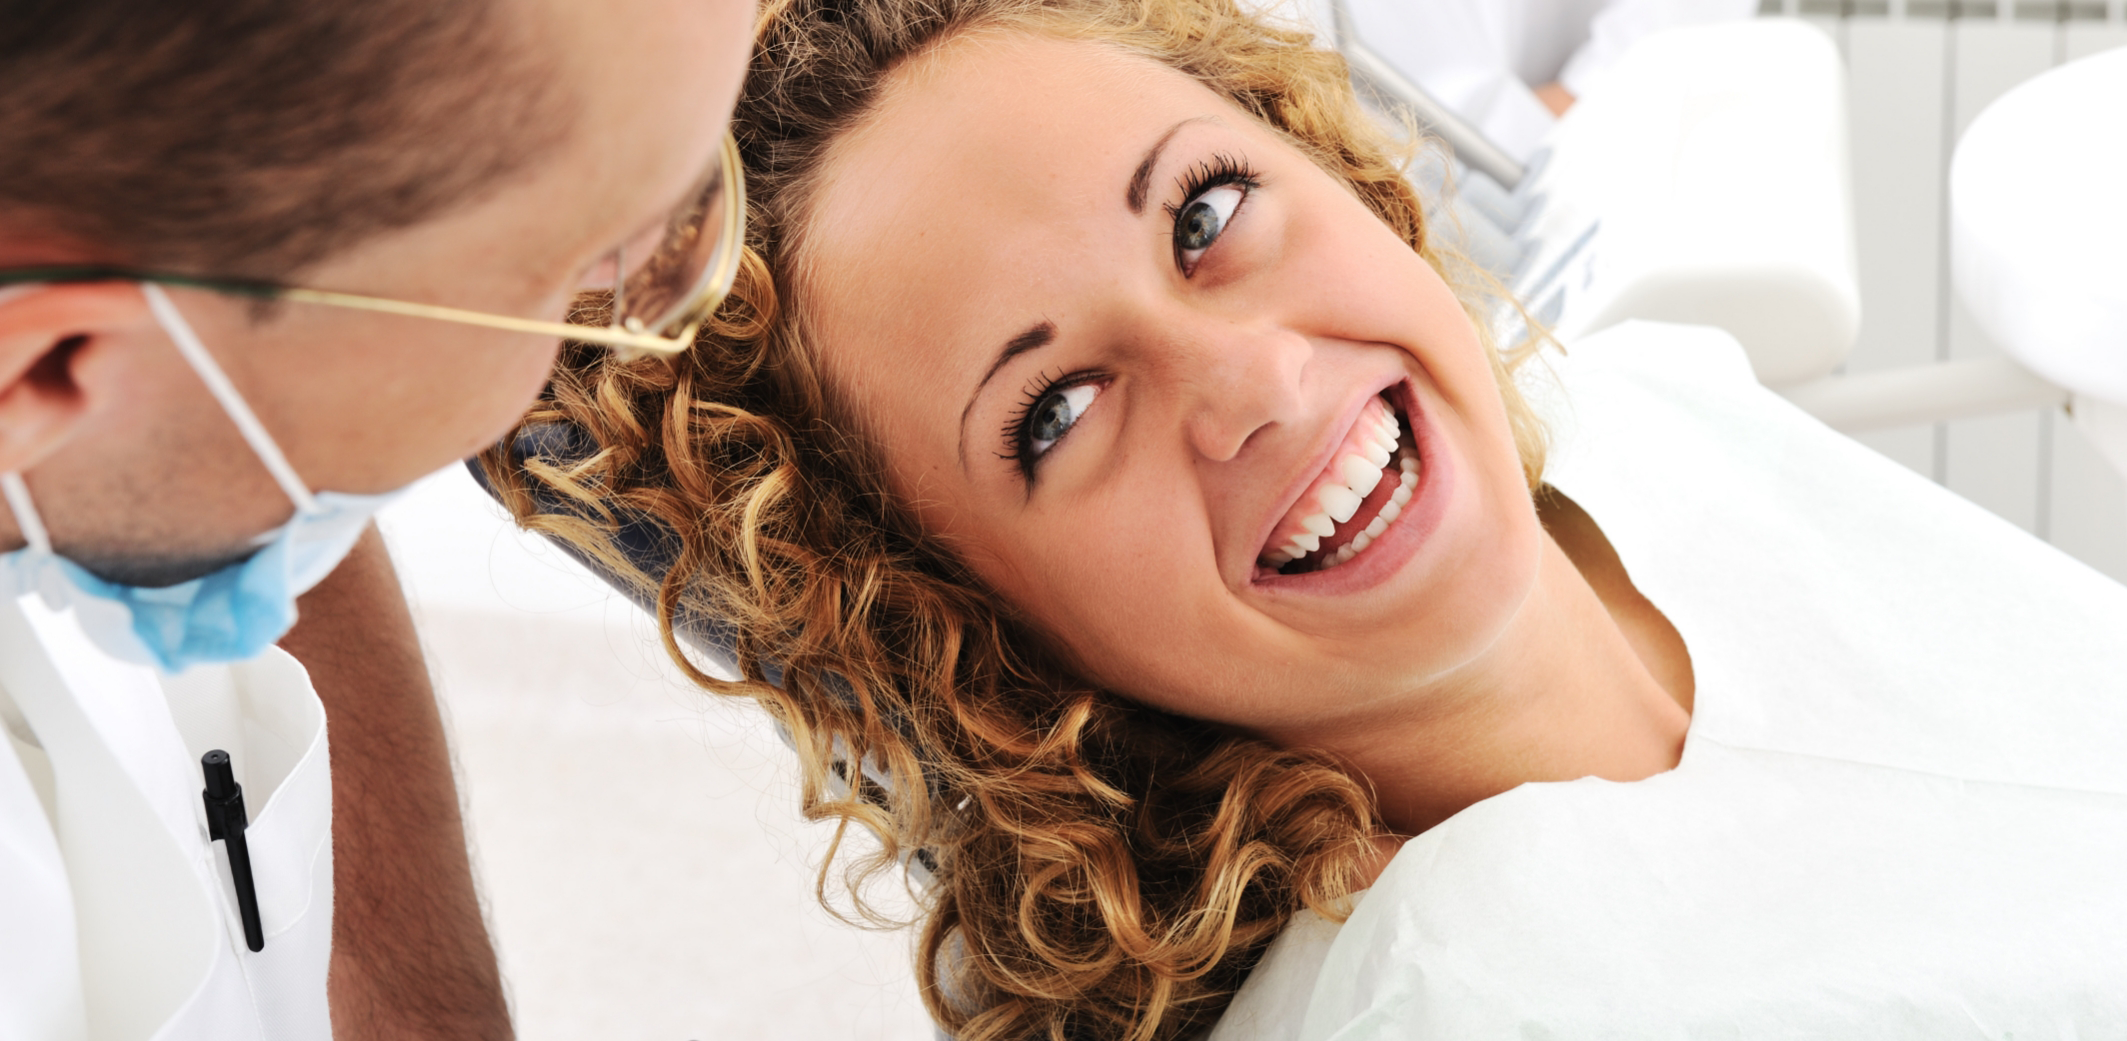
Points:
26	516
247	424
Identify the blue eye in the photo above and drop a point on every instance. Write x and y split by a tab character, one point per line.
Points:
1053	416
1202	220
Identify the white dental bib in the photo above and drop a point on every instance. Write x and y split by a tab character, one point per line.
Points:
1902	806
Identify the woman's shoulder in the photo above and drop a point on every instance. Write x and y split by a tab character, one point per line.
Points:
1272	1004
1747	894
1698	373
1903	772
1666	351
1834	602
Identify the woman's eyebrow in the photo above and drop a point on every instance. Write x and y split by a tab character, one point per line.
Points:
1141	178
1033	339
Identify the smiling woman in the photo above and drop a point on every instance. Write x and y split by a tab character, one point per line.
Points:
1096	443
1097	449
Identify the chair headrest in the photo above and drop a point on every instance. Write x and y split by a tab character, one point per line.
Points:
645	542
652	549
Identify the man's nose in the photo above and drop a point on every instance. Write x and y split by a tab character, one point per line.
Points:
1235	381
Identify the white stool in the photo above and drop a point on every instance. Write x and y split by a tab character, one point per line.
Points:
2038	218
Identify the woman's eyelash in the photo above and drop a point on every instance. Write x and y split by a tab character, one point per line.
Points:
1018	434
1220	169
1212	195
1015	425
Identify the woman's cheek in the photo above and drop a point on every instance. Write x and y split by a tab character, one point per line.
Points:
1097	575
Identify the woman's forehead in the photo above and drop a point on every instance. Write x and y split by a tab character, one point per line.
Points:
994	109
987	135
991	176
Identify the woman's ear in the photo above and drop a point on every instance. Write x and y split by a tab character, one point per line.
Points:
45	333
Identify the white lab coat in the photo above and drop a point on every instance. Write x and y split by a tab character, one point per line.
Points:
1484	58
118	915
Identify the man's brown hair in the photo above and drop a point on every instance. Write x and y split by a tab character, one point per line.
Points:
255	137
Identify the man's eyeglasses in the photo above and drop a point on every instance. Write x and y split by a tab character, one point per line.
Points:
655	309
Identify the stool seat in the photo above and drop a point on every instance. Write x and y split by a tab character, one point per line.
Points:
2038	217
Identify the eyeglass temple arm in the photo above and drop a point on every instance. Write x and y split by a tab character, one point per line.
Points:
604	336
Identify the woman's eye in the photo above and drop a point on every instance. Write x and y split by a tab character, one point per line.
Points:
1201	221
1055	413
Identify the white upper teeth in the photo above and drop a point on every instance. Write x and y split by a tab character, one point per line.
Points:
1360	474
1356	476
1390	510
1383	444
1340	502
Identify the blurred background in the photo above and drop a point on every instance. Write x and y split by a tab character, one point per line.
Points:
641	858
645	871
1917	74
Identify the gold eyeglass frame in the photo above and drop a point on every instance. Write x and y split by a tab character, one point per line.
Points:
670	336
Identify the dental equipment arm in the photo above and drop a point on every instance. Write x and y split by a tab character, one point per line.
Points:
1389	85
411	958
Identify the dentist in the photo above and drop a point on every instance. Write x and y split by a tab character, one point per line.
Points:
262	265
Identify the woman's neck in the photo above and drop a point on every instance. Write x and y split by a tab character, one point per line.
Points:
1589	681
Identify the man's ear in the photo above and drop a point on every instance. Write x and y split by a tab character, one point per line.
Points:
45	331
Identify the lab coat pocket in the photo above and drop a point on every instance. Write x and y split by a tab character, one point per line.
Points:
264	713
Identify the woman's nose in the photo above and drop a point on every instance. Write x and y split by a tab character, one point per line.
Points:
1236	381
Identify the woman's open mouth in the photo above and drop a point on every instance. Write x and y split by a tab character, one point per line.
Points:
1368	482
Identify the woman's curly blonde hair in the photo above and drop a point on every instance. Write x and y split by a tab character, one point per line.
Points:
1101	869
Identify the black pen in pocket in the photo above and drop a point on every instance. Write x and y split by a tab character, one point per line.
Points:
226	822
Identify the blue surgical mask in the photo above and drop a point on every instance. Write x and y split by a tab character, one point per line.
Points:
227	615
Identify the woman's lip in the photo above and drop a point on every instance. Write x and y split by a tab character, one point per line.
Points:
1401	540
1319	463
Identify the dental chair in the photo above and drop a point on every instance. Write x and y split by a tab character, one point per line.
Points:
652	550
1704	181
